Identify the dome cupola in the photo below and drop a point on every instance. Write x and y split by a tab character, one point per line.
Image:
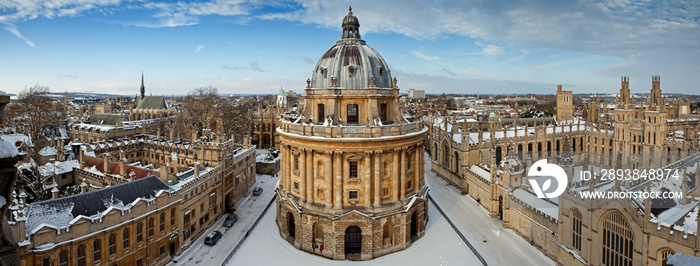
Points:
351	26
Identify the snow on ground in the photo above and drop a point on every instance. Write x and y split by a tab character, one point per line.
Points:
248	208
439	246
498	246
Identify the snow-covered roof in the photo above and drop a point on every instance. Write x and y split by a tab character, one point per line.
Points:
541	205
481	172
62	212
7	149
17	138
58	168
48	151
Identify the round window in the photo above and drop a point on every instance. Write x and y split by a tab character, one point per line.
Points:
352	70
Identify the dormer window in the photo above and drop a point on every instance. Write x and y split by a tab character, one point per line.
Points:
380	70
351	70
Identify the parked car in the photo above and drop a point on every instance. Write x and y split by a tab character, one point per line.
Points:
257	191
212	238
230	220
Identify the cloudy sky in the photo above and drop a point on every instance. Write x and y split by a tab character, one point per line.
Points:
259	46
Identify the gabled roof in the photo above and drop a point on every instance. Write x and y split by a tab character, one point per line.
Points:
150	102
105	119
60	212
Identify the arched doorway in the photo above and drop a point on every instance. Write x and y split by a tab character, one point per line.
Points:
291	227
500	208
353	240
414	227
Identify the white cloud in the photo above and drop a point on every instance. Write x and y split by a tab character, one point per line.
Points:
423	56
13	29
491	50
198	48
524	53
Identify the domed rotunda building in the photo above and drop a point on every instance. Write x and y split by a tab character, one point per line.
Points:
352	166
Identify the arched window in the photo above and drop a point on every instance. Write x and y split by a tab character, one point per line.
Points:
96	250
139	233
112	244
576	229
617	239
80	254
126	238
63	258
664	256
383	112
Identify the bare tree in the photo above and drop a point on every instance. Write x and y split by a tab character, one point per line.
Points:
235	117
38	112
200	108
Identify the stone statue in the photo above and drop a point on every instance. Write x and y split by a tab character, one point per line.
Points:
394	82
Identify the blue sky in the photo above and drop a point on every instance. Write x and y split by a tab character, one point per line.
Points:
260	46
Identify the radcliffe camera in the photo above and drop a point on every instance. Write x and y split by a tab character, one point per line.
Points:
319	133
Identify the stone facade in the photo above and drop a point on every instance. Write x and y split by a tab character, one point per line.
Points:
490	167
355	189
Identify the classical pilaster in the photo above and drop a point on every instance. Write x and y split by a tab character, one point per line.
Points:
402	179
338	182
368	179
328	175
377	179
310	176
302	174
394	175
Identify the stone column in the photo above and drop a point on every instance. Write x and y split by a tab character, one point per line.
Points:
302	175
377	179
310	172
368	178
418	169
328	175
286	173
395	176
338	183
402	179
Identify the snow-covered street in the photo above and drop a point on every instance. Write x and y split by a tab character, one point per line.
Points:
248	208
498	246
439	246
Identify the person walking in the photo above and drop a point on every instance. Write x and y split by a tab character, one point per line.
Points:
321	249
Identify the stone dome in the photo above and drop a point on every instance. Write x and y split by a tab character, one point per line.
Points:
351	63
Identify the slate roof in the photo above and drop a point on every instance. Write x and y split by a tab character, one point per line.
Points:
150	102
113	166
528	121
60	212
105	119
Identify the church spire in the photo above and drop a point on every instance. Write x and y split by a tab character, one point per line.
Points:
143	88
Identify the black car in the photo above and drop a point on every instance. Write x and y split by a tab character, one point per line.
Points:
212	238
230	220
257	191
